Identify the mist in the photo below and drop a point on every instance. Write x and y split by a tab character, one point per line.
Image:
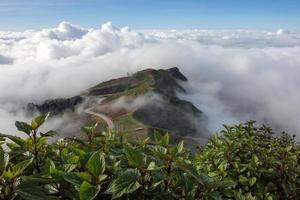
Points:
234	76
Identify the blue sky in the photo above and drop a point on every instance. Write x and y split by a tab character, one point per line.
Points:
152	14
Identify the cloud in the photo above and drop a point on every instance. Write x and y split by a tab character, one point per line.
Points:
5	60
64	31
234	75
133	104
282	32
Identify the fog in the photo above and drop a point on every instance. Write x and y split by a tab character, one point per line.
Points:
234	76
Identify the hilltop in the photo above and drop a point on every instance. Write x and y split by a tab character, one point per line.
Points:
139	103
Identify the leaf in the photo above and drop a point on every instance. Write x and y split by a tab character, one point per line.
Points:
252	181
164	141
23	127
48	134
77	178
192	171
38	121
88	191
15	139
74	179
69	167
180	147
126	183
243	180
289	148
176	149
157	136
85	176
159	150
96	164
153	167
89	130
215	195
49	165
21	166
4	159
8	175
56	173
255	159
37	179
135	158
32	192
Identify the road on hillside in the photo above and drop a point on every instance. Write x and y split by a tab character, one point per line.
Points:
108	120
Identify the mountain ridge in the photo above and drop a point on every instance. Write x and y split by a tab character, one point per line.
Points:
155	93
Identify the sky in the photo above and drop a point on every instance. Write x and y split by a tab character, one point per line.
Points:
17	15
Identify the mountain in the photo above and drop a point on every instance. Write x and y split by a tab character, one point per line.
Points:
136	105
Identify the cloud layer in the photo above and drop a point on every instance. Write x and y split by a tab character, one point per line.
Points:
234	75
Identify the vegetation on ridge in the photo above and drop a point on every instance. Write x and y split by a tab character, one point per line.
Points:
246	162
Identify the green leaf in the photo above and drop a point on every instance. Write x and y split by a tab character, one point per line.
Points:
126	183
255	159
21	166
157	136
88	191
74	179
38	121
164	141
176	149
49	165
48	134
23	127
85	176
4	159
56	173
192	171
180	147
32	192
159	150
153	167
252	181
289	148
77	178
215	195
135	157
96	164
89	130
15	139
69	167
8	175
37	179
243	180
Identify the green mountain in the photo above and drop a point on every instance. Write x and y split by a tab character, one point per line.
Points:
141	103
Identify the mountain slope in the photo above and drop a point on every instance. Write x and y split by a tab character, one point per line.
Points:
139	103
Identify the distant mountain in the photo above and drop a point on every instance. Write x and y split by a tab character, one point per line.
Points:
139	103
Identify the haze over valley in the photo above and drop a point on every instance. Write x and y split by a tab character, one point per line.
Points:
234	75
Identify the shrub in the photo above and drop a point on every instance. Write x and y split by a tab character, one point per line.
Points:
259	164
100	167
246	162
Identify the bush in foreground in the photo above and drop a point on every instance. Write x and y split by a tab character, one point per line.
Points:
105	167
259	164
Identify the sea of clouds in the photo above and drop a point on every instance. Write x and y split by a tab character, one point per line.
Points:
234	76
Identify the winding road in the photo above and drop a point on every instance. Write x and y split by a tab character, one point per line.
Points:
108	120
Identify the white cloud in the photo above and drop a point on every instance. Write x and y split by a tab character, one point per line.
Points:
5	60
282	32
234	75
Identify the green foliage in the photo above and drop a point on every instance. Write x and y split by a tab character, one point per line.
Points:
96	164
260	165
88	191
126	183
245	163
